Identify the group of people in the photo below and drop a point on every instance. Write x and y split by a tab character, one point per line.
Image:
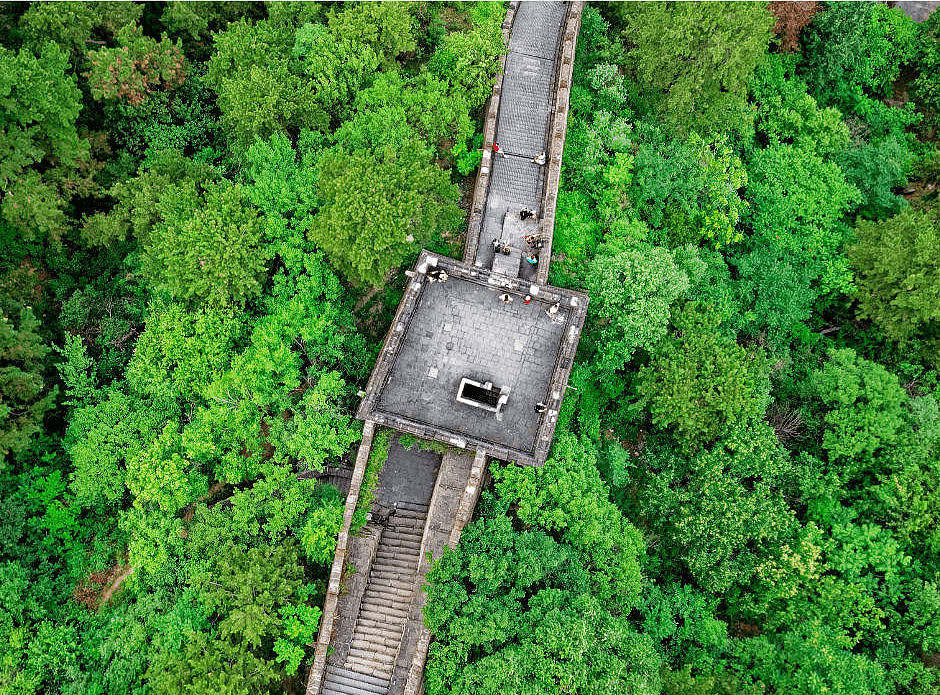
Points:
552	311
535	242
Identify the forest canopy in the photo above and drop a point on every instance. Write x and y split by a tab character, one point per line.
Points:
206	211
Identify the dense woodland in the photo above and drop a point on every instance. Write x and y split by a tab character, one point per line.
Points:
206	211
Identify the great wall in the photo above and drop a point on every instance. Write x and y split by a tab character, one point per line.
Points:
477	358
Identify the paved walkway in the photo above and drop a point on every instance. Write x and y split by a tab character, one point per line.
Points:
522	130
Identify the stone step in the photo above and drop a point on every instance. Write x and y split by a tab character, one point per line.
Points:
380	626
399	609
340	681
387	589
397	540
374	644
370	627
412	506
379	614
360	677
369	667
381	661
393	579
382	607
387	563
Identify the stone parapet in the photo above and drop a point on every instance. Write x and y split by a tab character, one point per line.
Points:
325	634
481	187
557	132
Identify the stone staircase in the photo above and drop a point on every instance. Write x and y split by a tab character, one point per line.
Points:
385	607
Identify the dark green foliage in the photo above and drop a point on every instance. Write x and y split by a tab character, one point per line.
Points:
853	52
692	61
380	207
24	394
543	609
743	492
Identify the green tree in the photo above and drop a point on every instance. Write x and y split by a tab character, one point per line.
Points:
133	69
259	89
854	51
72	24
633	292
208	245
787	115
898	275
535	600
37	130
693	61
378	208
720	512
702	382
24	395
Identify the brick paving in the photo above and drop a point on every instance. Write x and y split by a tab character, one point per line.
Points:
461	329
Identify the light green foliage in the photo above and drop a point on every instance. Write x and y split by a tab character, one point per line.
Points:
378	455
798	201
688	188
259	90
692	61
863	403
807	659
632	292
282	184
208	246
37	127
182	352
722	509
372	203
700	381
71	24
25	396
468	60
102	436
521	611
682	620
787	115
247	592
898	275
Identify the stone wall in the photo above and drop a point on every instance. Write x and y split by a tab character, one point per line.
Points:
478	205
336	573
556	138
447	526
556	141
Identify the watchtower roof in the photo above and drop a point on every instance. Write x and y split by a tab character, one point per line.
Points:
446	332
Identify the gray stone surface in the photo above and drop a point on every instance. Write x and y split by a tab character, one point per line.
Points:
516	184
408	475
523	122
528	92
537	28
461	329
918	11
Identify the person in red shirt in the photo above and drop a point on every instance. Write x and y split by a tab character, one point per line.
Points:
498	150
